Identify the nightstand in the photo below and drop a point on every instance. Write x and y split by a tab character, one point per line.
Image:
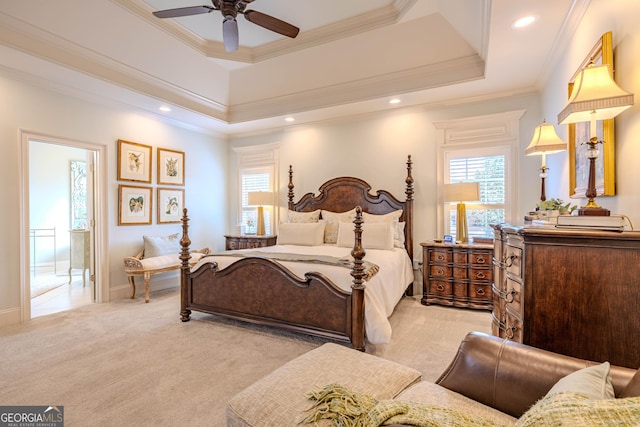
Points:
248	241
458	275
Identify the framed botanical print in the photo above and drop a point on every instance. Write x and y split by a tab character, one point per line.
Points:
600	54
135	204
170	205
134	162
170	167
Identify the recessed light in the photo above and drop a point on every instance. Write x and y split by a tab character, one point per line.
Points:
394	101
165	109
289	119
525	21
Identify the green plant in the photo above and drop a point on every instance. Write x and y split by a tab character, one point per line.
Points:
556	204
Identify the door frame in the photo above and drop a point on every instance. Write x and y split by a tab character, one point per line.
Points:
100	224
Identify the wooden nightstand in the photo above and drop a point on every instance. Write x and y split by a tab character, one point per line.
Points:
457	275
248	241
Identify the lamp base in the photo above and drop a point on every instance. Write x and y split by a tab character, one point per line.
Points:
594	211
261	230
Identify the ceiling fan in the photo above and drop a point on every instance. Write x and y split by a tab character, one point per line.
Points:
229	10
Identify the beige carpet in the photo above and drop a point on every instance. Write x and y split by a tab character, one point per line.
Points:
128	363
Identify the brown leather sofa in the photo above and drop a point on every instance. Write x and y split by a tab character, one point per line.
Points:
490	378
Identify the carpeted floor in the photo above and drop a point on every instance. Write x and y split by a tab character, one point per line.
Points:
129	363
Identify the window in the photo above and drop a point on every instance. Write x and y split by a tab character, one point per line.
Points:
257	171
255	179
488	169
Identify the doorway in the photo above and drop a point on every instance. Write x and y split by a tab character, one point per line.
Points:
60	227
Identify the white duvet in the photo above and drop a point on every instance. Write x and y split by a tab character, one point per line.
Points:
382	293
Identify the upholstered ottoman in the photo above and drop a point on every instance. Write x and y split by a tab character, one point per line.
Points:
279	399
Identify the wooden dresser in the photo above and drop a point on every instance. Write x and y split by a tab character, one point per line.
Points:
458	275
248	241
571	292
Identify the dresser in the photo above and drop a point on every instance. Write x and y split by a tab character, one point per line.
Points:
568	291
458	275
248	241
79	252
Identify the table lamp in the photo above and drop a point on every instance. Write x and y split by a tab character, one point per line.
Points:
260	199
545	141
461	192
595	96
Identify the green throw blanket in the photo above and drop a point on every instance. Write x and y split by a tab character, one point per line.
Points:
346	408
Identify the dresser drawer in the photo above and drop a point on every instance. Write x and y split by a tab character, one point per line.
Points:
480	290
513	261
481	274
513	327
440	271
480	258
513	296
441	255
440	287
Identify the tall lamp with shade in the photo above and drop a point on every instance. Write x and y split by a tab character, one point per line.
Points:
260	199
595	96
545	141
461	192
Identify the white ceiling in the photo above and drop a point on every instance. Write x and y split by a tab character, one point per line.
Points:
350	57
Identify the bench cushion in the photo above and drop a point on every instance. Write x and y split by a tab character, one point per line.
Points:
166	261
155	246
279	399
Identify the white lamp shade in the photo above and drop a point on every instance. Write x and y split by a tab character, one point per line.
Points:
259	198
462	192
595	96
545	140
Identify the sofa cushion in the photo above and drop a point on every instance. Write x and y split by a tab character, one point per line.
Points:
430	393
279	399
593	381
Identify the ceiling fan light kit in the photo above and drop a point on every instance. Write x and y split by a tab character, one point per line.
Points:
230	10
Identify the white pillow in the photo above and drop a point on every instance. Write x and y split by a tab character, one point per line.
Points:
301	233
594	382
296	217
333	220
392	217
374	235
161	245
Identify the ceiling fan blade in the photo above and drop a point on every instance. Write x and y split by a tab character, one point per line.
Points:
183	11
230	34
271	23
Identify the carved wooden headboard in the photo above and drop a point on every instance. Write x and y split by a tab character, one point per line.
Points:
345	193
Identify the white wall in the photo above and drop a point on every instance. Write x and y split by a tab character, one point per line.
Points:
621	17
34	109
375	148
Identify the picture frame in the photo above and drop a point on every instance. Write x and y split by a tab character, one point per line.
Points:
170	167
134	205
170	204
600	54
134	162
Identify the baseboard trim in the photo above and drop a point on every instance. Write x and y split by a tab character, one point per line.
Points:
10	316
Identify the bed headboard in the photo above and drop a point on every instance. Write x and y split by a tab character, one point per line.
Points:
345	193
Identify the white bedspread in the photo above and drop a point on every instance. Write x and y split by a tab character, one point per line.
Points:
382	292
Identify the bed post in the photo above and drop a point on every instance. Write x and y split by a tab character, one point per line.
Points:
357	294
409	211
185	242
290	194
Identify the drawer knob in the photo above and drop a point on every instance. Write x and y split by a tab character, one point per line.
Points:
511	296
440	257
510	332
440	287
481	275
480	260
480	292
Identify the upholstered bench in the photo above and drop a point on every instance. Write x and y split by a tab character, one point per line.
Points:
160	254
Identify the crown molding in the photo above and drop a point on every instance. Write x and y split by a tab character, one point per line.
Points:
418	78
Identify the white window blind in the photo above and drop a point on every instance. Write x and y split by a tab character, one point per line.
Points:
255	179
490	172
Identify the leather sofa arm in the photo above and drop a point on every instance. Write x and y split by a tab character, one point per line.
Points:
510	376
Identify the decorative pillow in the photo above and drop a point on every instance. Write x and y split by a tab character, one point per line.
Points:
593	382
161	245
333	220
393	218
374	235
296	217
302	233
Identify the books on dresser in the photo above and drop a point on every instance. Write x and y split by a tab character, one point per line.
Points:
612	223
